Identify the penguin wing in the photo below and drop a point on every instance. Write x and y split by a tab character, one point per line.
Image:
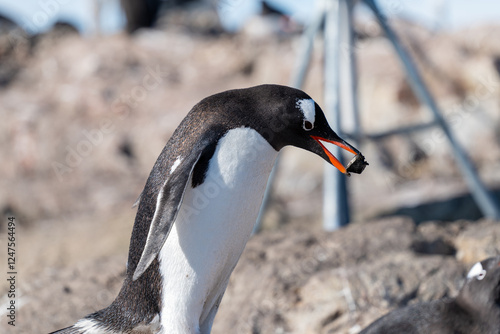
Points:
137	201
168	202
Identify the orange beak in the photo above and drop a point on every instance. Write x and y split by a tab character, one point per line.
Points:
334	161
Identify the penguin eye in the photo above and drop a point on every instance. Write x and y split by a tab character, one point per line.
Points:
481	275
308	126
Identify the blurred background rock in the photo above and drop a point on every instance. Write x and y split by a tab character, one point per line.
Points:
90	91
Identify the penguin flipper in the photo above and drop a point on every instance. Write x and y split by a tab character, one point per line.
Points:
137	201
68	330
168	203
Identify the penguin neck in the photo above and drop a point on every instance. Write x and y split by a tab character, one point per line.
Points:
479	307
243	156
467	318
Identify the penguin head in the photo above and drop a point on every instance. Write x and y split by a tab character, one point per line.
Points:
481	291
289	116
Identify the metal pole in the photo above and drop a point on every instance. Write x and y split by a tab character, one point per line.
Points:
297	81
335	206
307	44
482	197
348	73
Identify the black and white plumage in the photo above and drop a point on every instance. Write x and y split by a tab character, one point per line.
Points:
200	203
476	310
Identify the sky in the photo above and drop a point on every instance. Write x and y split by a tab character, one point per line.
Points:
449	14
38	15
445	14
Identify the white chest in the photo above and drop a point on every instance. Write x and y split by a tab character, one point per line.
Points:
211	230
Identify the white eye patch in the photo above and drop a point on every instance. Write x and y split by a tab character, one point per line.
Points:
476	271
308	109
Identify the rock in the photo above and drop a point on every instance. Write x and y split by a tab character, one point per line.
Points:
479	241
357	164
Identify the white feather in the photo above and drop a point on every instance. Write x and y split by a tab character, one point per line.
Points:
175	165
214	224
88	326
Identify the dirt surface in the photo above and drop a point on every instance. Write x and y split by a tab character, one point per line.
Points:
85	118
292	280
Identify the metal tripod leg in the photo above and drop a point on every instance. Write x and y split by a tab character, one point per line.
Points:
337	12
340	94
335	205
307	43
297	81
348	74
482	197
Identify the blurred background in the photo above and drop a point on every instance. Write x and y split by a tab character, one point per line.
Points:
91	90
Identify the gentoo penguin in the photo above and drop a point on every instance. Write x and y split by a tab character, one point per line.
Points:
199	206
476	309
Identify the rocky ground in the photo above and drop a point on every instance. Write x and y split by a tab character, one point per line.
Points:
293	280
85	118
